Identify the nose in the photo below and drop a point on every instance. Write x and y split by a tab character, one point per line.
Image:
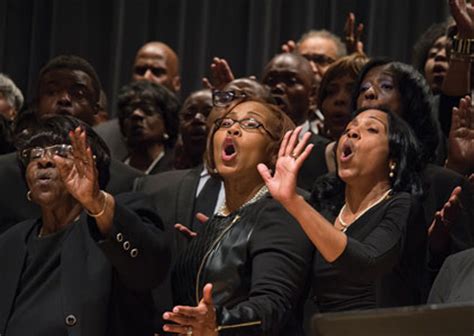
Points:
234	130
353	133
279	88
137	114
46	160
64	98
341	99
200	117
441	55
370	93
148	75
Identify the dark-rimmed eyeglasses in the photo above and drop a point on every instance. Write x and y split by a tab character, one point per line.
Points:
246	124
319	59
224	98
36	153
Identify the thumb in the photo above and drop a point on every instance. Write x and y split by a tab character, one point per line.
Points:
207	294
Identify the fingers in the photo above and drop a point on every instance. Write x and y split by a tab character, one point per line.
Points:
202	218
301	145
176	329
265	173
304	155
185	230
292	141
289	46
206	83
284	142
207	294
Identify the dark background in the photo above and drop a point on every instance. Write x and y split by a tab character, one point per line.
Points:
245	32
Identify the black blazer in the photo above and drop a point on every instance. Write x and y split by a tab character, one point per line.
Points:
98	276
110	132
15	207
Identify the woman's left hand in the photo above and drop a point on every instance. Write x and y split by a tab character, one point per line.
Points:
292	153
196	321
79	173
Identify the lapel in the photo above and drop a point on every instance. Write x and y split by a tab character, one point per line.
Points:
187	196
13	251
73	273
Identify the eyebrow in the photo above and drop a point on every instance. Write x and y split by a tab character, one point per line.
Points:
380	121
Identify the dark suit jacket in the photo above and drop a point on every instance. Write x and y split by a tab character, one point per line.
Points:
102	285
110	132
315	165
15	207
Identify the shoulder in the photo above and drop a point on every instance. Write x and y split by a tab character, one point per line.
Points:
437	175
460	259
8	160
17	231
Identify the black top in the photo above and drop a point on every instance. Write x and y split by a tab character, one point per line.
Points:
39	287
455	281
373	270
258	260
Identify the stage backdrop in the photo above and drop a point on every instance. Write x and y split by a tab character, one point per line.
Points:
245	32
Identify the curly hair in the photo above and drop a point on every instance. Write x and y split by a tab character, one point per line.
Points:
416	101
163	101
54	130
404	150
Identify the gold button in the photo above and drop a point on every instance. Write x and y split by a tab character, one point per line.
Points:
71	320
134	253
126	245
119	237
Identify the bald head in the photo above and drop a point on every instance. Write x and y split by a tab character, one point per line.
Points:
158	63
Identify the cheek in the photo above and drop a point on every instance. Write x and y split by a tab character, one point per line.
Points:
429	68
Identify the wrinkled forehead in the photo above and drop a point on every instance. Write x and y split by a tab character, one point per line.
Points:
64	79
250	109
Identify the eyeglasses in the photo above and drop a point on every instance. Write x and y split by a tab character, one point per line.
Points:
142	69
36	153
246	124
224	98
319	59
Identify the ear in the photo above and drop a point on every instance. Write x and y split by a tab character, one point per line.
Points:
11	114
177	83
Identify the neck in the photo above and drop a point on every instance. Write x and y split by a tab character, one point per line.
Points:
360	197
56	218
142	156
239	191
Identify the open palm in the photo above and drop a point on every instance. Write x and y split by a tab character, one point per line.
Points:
292	153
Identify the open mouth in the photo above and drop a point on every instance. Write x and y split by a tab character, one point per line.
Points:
229	150
347	151
280	102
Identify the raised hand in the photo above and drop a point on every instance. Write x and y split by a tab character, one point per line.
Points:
221	75
352	38
461	138
292	153
438	232
79	173
463	14
196	321
288	47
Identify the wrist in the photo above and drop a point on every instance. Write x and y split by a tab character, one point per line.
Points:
98	205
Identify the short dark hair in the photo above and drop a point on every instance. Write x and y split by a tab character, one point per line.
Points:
349	65
159	96
282	124
53	130
416	102
404	150
72	62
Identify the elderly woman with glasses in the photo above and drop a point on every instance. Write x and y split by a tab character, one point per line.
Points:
246	273
86	266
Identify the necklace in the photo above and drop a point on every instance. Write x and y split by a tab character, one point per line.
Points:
346	225
223	211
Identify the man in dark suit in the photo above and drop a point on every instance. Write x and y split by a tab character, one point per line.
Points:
155	62
66	85
290	79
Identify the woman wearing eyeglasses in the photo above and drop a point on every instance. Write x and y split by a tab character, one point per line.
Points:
246	272
86	265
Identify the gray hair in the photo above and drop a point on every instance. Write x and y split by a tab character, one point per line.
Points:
11	92
323	33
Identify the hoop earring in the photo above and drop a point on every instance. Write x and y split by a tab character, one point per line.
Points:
166	136
392	170
28	195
